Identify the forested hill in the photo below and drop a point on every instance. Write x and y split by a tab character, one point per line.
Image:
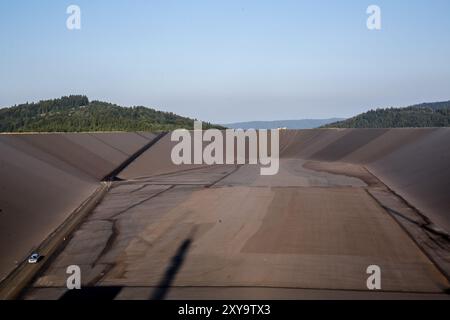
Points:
77	114
436	114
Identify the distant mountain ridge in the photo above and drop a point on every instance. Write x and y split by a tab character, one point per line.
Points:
434	114
289	124
76	113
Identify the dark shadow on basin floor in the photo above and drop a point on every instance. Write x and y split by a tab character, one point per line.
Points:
92	293
175	265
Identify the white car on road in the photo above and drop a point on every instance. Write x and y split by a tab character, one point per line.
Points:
34	258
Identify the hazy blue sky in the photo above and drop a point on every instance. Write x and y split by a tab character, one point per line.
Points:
228	60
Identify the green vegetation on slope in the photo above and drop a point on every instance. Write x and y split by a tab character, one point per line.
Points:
435	114
77	114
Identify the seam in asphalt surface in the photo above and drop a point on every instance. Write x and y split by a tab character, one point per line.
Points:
108	144
140	202
161	175
134	156
266	286
224	177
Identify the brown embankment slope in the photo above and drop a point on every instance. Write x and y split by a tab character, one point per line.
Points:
169	232
44	177
315	225
415	163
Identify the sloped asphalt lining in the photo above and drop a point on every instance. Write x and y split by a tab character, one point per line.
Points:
37	159
309	232
113	175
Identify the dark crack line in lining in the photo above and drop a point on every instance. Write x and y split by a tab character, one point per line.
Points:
114	235
140	188
114	216
237	167
426	226
109	243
